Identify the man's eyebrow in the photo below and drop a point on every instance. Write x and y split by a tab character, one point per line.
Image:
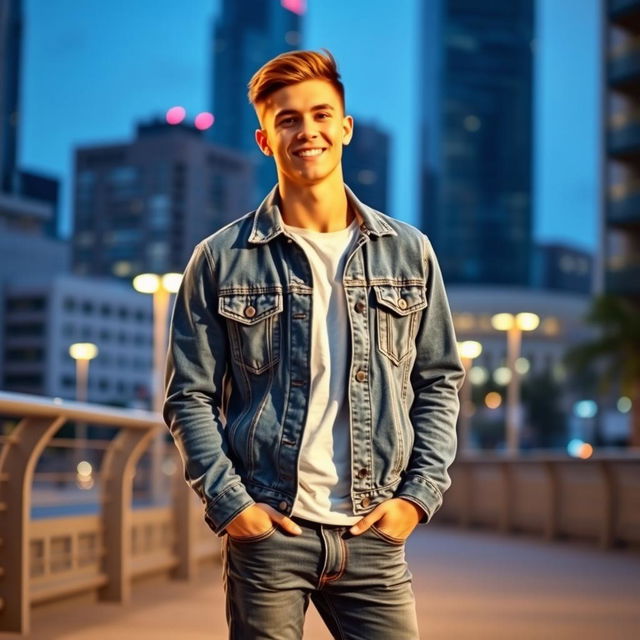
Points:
317	107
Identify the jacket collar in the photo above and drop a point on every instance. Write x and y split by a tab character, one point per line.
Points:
267	220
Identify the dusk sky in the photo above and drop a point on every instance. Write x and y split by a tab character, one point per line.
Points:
92	69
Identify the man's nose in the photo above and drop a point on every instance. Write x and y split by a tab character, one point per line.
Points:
307	130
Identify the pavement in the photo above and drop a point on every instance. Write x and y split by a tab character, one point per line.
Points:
469	585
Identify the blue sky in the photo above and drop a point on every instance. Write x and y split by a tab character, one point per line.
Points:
91	69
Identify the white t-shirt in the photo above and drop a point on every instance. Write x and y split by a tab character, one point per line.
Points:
324	469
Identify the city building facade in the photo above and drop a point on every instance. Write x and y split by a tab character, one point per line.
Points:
45	316
476	105
245	36
366	164
143	206
619	271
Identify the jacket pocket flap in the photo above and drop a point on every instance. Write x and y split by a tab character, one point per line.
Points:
402	299
249	308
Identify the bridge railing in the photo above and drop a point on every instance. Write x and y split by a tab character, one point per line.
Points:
53	557
548	494
49	558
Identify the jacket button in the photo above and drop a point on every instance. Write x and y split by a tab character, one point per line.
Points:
363	473
283	505
402	303
360	306
366	501
361	376
250	311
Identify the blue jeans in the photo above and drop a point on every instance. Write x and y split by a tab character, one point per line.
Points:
361	585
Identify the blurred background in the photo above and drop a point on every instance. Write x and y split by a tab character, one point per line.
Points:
507	130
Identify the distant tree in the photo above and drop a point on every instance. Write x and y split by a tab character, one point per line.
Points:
615	354
541	397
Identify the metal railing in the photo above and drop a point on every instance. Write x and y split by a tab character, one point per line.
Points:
50	558
556	496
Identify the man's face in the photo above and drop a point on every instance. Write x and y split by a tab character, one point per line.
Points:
304	128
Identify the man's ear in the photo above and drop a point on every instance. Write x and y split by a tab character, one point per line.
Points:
261	140
347	128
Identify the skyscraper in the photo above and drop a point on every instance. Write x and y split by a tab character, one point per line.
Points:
10	42
477	148
620	237
365	164
247	33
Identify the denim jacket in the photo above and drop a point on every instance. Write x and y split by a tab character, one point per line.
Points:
238	365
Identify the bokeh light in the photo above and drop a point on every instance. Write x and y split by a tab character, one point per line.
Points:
522	366
204	120
84	468
502	375
146	283
469	349
585	409
478	375
171	282
83	350
624	404
493	400
176	115
579	449
527	321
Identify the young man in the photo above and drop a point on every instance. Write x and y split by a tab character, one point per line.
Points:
312	381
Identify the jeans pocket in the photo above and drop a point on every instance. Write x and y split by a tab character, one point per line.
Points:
257	538
389	539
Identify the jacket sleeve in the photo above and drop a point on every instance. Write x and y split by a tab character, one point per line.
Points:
436	377
195	370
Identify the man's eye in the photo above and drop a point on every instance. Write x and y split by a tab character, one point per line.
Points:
287	120
325	115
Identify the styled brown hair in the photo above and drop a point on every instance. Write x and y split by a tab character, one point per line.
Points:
293	67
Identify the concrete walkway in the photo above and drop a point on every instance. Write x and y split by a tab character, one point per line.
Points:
469	586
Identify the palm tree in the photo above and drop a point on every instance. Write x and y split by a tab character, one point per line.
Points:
616	351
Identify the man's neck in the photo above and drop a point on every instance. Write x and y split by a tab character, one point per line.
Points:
321	207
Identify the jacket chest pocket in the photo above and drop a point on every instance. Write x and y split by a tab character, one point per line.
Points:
254	325
398	308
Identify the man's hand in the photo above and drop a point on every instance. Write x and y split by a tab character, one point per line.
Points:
397	517
257	519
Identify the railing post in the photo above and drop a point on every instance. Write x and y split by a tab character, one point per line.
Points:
18	459
465	508
607	533
184	531
553	499
117	473
505	518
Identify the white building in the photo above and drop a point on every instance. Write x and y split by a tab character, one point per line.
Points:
43	317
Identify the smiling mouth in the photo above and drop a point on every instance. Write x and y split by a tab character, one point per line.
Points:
310	153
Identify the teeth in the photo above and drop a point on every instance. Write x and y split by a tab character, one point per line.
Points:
310	152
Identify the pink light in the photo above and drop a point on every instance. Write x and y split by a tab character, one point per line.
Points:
204	120
296	6
176	115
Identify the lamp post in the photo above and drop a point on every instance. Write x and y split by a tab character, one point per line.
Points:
82	353
161	287
514	326
468	350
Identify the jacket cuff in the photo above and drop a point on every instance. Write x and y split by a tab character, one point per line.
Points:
421	491
226	507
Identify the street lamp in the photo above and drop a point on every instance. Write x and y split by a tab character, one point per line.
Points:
161	287
82	353
468	350
514	326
